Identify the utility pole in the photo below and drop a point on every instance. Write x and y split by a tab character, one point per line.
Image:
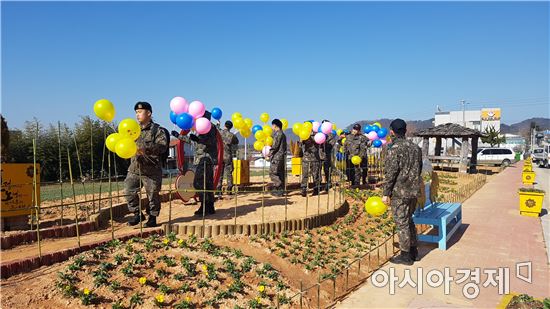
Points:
463	102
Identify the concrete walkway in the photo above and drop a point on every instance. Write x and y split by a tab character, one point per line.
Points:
494	235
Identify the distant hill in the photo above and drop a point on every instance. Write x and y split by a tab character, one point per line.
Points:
417	125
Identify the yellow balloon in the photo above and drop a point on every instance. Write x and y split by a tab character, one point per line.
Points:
258	145
104	110
304	134
267	130
248	122
296	128
339	132
377	124
375	206
111	141
356	160
129	128
307	125
269	141
236	116
344	140
246	133
260	135
264	117
239	123
334	126
285	123
126	148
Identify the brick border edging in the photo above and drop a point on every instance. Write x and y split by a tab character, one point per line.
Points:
31	263
257	228
13	240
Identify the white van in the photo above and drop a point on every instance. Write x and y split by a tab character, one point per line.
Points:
498	156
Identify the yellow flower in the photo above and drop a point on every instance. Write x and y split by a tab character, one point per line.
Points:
258	299
204	268
190	234
86	292
142	280
166	241
159	298
261	288
188	299
181	242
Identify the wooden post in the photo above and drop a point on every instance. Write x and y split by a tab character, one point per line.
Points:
438	146
463	167
473	160
425	147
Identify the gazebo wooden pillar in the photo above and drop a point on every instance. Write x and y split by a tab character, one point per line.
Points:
463	167
473	160
437	146
425	147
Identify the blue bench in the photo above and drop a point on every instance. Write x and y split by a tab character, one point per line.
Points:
446	216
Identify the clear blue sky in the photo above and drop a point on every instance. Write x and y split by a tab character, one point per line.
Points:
341	61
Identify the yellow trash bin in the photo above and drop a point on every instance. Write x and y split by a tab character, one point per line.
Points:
528	178
241	172
530	202
296	166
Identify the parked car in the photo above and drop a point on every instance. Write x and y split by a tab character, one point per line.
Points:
497	156
538	155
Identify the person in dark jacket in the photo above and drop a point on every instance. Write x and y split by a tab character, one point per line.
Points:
403	181
230	143
277	157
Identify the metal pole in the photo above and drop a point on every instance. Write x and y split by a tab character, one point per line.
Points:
82	177
263	192
285	178
203	203
307	185
74	197
92	163
170	199
102	174
36	204
60	174
139	202
111	199
116	180
236	203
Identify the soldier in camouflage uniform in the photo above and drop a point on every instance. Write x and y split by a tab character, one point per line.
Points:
151	143
403	167
230	143
206	156
356	145
311	165
277	157
328	147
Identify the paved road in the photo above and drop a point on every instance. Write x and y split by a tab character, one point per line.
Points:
543	182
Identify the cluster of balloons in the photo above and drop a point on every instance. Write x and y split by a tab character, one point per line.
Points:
374	206
263	134
321	130
376	134
190	115
122	143
243	125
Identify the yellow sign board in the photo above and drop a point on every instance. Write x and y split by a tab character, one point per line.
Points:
17	192
490	114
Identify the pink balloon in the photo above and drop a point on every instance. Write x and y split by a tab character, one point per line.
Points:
384	141
203	125
265	150
326	127
179	105
319	138
372	135
196	109
316	126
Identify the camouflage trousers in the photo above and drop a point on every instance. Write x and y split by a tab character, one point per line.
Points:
277	174
402	210
152	186
327	168
311	169
228	172
204	180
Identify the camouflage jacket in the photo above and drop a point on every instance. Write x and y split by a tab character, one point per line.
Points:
329	145
230	143
356	145
205	145
153	141
402	170
278	150
312	152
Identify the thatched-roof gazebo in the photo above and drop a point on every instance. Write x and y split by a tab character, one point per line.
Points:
452	130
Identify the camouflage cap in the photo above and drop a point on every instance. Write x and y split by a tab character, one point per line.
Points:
143	105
